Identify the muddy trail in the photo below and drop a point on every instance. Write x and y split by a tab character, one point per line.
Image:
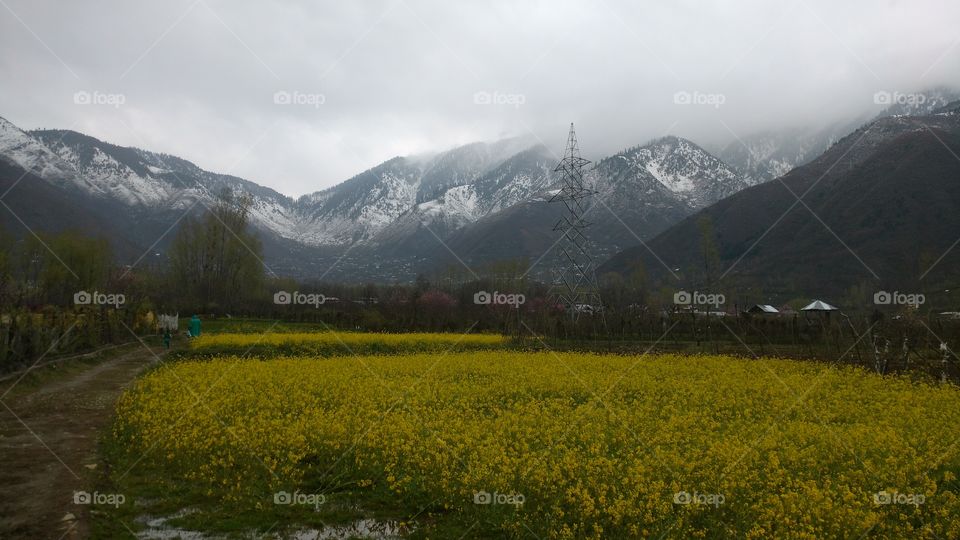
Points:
48	443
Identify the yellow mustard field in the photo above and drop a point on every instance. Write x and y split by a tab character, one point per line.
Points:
566	445
339	343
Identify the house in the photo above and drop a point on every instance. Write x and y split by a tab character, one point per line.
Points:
763	309
819	305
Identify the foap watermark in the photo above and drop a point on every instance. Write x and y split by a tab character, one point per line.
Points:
484	298
97	97
485	497
884	97
97	498
709	499
305	499
97	298
697	298
894	497
696	97
897	298
297	298
498	98
284	97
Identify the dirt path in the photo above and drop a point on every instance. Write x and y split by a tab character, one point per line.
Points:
48	445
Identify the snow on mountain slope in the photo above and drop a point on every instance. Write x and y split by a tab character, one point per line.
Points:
19	148
106	176
771	154
269	209
640	192
465	164
352	211
691	173
916	103
515	180
147	180
399	207
764	156
388	195
888	189
363	205
459	201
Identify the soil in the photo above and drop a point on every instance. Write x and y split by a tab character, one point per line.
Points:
48	443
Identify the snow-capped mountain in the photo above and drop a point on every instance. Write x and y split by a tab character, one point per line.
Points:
764	156
19	148
406	208
639	192
357	210
888	189
141	180
687	171
515	180
643	190
915	104
466	164
353	211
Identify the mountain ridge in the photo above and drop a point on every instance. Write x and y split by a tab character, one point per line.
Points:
874	205
406	207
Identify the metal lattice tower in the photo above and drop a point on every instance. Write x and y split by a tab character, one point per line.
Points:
576	288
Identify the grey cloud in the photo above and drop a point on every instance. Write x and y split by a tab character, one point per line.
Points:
403	76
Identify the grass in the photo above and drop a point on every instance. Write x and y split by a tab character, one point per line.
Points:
344	505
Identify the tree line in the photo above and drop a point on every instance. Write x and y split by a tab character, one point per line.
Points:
214	267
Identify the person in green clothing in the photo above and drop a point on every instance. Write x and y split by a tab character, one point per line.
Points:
166	338
195	326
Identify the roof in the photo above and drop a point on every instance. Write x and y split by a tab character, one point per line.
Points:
763	308
819	305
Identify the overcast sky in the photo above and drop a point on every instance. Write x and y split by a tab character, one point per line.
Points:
360	82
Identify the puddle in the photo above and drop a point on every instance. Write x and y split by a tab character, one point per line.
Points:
363	528
158	528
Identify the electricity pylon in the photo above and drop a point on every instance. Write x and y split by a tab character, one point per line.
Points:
577	288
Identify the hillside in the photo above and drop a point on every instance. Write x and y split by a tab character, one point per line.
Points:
878	208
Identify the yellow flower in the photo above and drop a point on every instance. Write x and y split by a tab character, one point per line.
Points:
596	445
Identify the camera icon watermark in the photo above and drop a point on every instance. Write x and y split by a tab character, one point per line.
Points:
485	497
709	499
684	97
96	298
498	98
885	97
897	298
285	97
305	499
97	498
496	298
96	97
893	497
697	298
297	298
